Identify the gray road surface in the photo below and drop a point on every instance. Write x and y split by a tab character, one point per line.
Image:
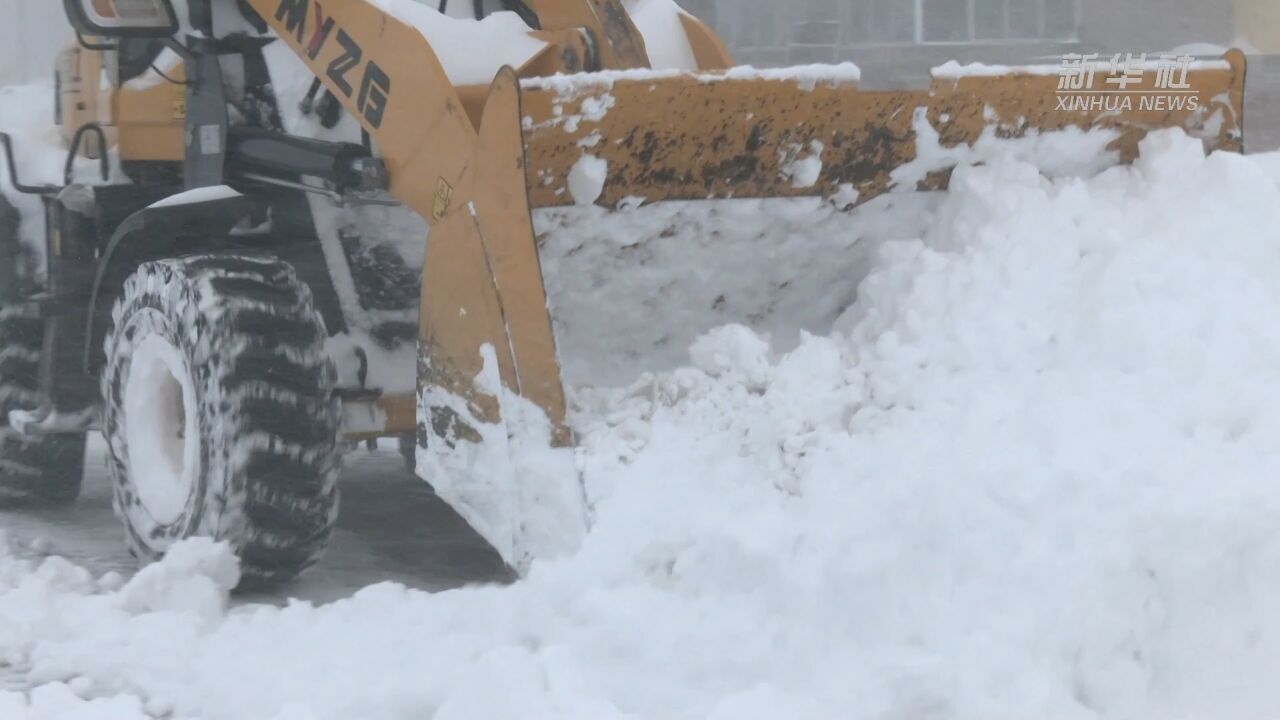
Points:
391	527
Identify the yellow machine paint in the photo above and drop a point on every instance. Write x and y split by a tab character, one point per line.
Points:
145	119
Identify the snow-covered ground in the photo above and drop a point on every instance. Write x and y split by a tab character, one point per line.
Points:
1030	472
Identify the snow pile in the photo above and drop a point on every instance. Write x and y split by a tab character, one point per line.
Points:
803	169
806	77
511	484
1030	473
665	40
631	290
954	70
454	37
1067	152
47	609
504	37
586	179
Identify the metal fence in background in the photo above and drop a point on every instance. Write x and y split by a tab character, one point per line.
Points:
895	41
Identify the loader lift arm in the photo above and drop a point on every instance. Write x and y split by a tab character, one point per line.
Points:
476	288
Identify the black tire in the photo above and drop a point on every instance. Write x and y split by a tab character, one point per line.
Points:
266	422
35	470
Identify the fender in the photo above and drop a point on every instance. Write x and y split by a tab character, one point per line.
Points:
150	234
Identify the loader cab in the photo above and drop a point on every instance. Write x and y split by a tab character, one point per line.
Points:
120	77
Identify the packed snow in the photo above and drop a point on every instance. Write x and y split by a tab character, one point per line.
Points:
806	77
1067	152
632	289
659	23
586	179
1027	473
455	36
952	69
161	428
514	487
803	167
198	195
457	43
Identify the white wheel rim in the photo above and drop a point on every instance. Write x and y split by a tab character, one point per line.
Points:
160	429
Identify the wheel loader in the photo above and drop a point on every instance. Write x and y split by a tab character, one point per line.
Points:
286	227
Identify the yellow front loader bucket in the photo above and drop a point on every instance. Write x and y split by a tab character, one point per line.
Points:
508	176
492	406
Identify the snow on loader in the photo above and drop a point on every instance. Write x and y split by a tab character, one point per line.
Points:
243	288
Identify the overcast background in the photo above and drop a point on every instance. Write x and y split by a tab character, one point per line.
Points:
894	41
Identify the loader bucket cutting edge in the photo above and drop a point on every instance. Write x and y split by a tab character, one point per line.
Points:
494	433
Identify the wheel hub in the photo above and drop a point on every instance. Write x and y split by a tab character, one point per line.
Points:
161	429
